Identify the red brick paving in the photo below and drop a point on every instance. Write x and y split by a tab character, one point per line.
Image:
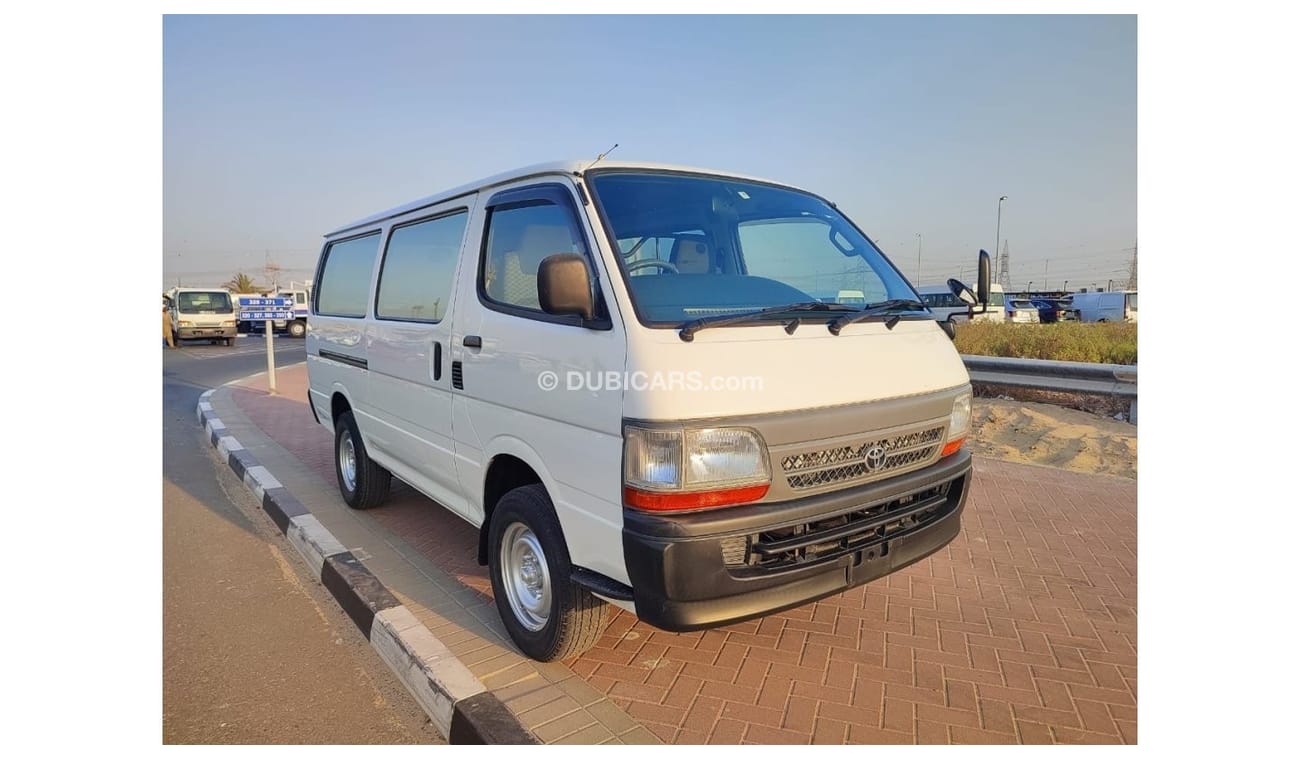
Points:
1022	630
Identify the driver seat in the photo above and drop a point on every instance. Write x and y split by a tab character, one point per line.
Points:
691	255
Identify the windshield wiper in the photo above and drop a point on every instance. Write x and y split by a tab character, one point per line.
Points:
688	330
875	310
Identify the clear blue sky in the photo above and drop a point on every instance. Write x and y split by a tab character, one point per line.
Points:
279	128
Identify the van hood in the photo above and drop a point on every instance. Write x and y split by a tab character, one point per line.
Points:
759	369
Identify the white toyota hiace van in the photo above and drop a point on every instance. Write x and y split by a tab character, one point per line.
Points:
619	374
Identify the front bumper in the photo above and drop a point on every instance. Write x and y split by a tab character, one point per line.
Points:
188	333
713	568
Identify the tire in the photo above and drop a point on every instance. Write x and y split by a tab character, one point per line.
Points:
297	329
563	619
369	483
230	342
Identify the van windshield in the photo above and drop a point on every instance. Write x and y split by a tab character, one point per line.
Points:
695	246
215	302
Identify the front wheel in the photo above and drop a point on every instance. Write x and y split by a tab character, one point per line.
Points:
297	329
548	616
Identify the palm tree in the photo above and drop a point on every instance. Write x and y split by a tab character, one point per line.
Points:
240	283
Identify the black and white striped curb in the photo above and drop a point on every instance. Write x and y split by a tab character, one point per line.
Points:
461	708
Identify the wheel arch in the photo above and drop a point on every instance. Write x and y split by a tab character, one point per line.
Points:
511	464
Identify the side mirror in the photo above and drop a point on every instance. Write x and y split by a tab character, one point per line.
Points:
564	286
982	283
963	292
948	327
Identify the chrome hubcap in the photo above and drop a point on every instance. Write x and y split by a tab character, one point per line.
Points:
348	461
525	576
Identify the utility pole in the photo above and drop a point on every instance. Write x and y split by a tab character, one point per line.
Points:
272	271
997	241
1133	269
918	258
1005	269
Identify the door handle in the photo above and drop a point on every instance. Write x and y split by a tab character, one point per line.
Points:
437	360
472	341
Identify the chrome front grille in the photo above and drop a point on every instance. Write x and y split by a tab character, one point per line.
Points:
863	460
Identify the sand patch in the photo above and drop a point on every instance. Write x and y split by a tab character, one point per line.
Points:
1023	431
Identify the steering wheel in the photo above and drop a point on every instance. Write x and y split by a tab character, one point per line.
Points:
666	265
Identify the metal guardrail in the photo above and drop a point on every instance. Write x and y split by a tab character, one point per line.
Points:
1071	377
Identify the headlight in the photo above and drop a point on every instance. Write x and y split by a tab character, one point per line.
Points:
958	424
184	323
228	323
673	469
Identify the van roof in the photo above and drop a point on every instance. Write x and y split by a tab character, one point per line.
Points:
536	170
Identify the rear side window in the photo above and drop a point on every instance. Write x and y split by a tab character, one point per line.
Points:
415	278
942	300
519	237
345	277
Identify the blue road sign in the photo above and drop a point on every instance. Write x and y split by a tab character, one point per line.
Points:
269	303
260	316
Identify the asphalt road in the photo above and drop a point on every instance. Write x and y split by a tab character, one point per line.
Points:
242	618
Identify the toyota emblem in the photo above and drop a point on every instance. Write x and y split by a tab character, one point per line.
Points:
875	458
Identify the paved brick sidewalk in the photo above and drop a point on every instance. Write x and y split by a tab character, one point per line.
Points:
1024	629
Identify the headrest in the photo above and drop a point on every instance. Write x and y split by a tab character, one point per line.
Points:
690	255
539	241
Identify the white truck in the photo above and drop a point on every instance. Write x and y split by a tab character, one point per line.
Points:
203	314
296	327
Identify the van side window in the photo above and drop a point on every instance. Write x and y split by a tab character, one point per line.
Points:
415	276
345	277
519	237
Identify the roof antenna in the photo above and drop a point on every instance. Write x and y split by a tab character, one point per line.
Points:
598	158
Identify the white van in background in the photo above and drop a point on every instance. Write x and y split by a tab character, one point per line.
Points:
620	375
1114	306
203	314
945	304
997	306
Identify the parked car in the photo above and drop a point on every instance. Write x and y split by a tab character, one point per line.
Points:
1055	310
514	350
1022	311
